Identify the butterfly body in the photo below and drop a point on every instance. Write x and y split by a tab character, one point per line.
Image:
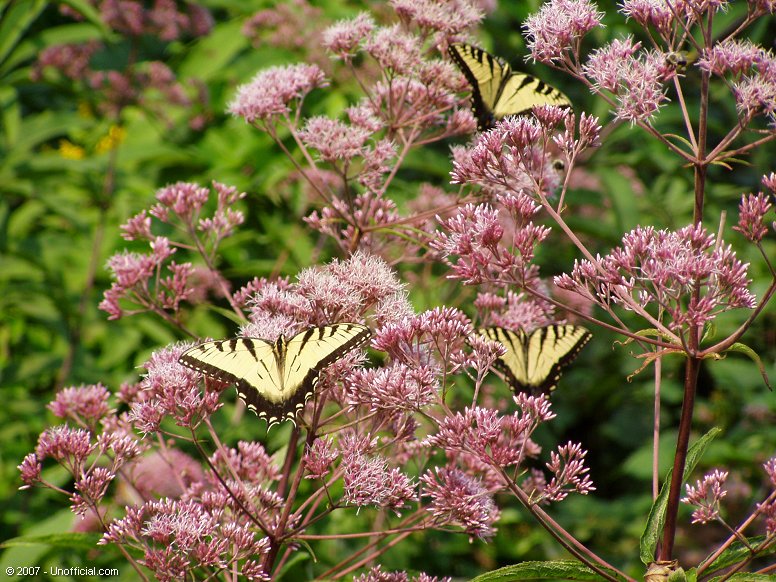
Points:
534	361
497	90
275	379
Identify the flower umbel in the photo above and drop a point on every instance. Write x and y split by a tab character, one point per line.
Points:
459	499
706	496
274	91
686	273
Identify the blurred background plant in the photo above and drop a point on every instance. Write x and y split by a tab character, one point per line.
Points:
104	102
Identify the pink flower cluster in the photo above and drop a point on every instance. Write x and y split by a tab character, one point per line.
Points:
333	139
431	338
340	291
460	499
751	215
369	481
138	281
706	496
377	574
515	156
514	310
412	101
170	389
492	439
558	28
167	19
179	536
343	39
92	458
272	92
636	77
138	276
768	508
145	83
570	473
665	18
292	24
448	17
753	73
474	237
690	277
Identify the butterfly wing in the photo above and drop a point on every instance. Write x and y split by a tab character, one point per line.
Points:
486	74
534	363
522	92
497	91
275	380
309	352
514	363
248	363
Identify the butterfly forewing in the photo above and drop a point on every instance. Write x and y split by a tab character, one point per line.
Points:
310	351
533	362
497	91
276	379
233	360
486	75
513	363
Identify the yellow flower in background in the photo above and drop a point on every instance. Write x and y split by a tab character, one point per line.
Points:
115	136
85	110
70	151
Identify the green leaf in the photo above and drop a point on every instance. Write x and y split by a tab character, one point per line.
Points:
11	114
623	198
58	540
36	129
747	351
212	54
90	13
227	313
657	515
745	577
15	22
298	558
736	553
560	570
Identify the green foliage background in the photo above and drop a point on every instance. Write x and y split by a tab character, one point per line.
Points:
59	224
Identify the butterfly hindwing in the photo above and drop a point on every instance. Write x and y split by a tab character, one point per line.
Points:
534	362
275	379
327	343
497	91
521	93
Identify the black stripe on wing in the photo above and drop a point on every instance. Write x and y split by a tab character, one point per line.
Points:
515	342
566	340
556	337
320	338
288	398
197	357
482	111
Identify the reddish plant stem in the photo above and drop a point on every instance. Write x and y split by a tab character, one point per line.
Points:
563	537
280	534
682	442
289	461
693	362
